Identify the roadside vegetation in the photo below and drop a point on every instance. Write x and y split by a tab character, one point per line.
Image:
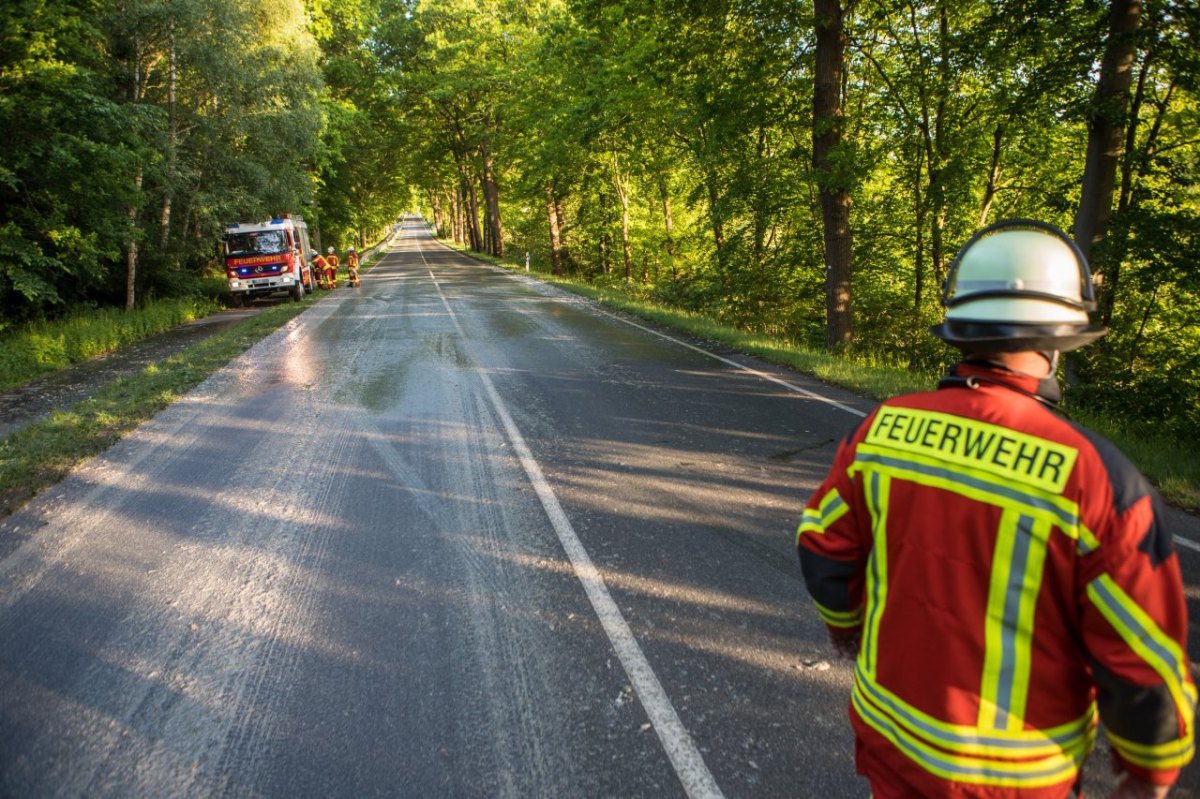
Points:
804	171
37	348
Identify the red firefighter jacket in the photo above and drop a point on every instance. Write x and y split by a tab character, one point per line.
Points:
1011	580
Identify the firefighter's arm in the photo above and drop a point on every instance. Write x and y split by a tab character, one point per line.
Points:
830	549
1135	629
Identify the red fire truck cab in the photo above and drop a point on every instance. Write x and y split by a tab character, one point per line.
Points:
269	257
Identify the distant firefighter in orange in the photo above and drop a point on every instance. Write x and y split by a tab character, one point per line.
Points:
331	264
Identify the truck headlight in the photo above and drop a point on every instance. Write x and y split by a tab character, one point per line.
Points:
234	283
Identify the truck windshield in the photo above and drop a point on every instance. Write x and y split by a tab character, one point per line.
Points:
259	242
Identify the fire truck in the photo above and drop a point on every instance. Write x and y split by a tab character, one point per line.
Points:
268	257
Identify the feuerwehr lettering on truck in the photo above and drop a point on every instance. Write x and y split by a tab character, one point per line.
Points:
268	257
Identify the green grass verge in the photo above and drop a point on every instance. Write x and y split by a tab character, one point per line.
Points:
43	453
1169	465
32	350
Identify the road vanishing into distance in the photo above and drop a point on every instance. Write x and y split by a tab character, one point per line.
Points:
454	533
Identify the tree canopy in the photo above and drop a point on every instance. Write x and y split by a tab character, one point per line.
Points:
807	169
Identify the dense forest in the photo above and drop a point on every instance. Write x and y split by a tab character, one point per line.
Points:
806	169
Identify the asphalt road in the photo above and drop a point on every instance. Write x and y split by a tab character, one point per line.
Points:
453	533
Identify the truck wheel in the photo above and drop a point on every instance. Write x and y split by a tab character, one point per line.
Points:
297	292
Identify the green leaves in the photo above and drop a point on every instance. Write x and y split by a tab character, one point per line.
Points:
661	143
147	122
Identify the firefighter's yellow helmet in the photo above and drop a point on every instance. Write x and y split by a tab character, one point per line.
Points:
1018	285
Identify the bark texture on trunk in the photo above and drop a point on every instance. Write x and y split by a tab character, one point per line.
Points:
669	228
491	196
556	261
172	146
1106	126
835	198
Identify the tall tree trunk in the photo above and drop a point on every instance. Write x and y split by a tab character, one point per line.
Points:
993	178
563	231
1106	126
935	151
835	198
626	242
1129	169
555	233
471	215
714	213
621	184
475	228
919	243
669	228
164	221
188	217
762	213
456	215
435	202
491	196
131	250
485	226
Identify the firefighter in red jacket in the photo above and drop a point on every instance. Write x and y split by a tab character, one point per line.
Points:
352	267
1001	576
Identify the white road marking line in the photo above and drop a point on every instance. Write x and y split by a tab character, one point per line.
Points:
685	757
741	367
1187	542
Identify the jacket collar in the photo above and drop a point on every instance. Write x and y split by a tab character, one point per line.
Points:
972	373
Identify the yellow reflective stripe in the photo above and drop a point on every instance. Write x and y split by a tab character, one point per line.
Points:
1001	452
877	491
817	520
1029	586
1003	762
1143	635
839	618
1016	578
1172	754
1073	736
991	715
973	484
1087	541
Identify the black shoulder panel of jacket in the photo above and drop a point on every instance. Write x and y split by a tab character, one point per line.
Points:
1128	487
1137	713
